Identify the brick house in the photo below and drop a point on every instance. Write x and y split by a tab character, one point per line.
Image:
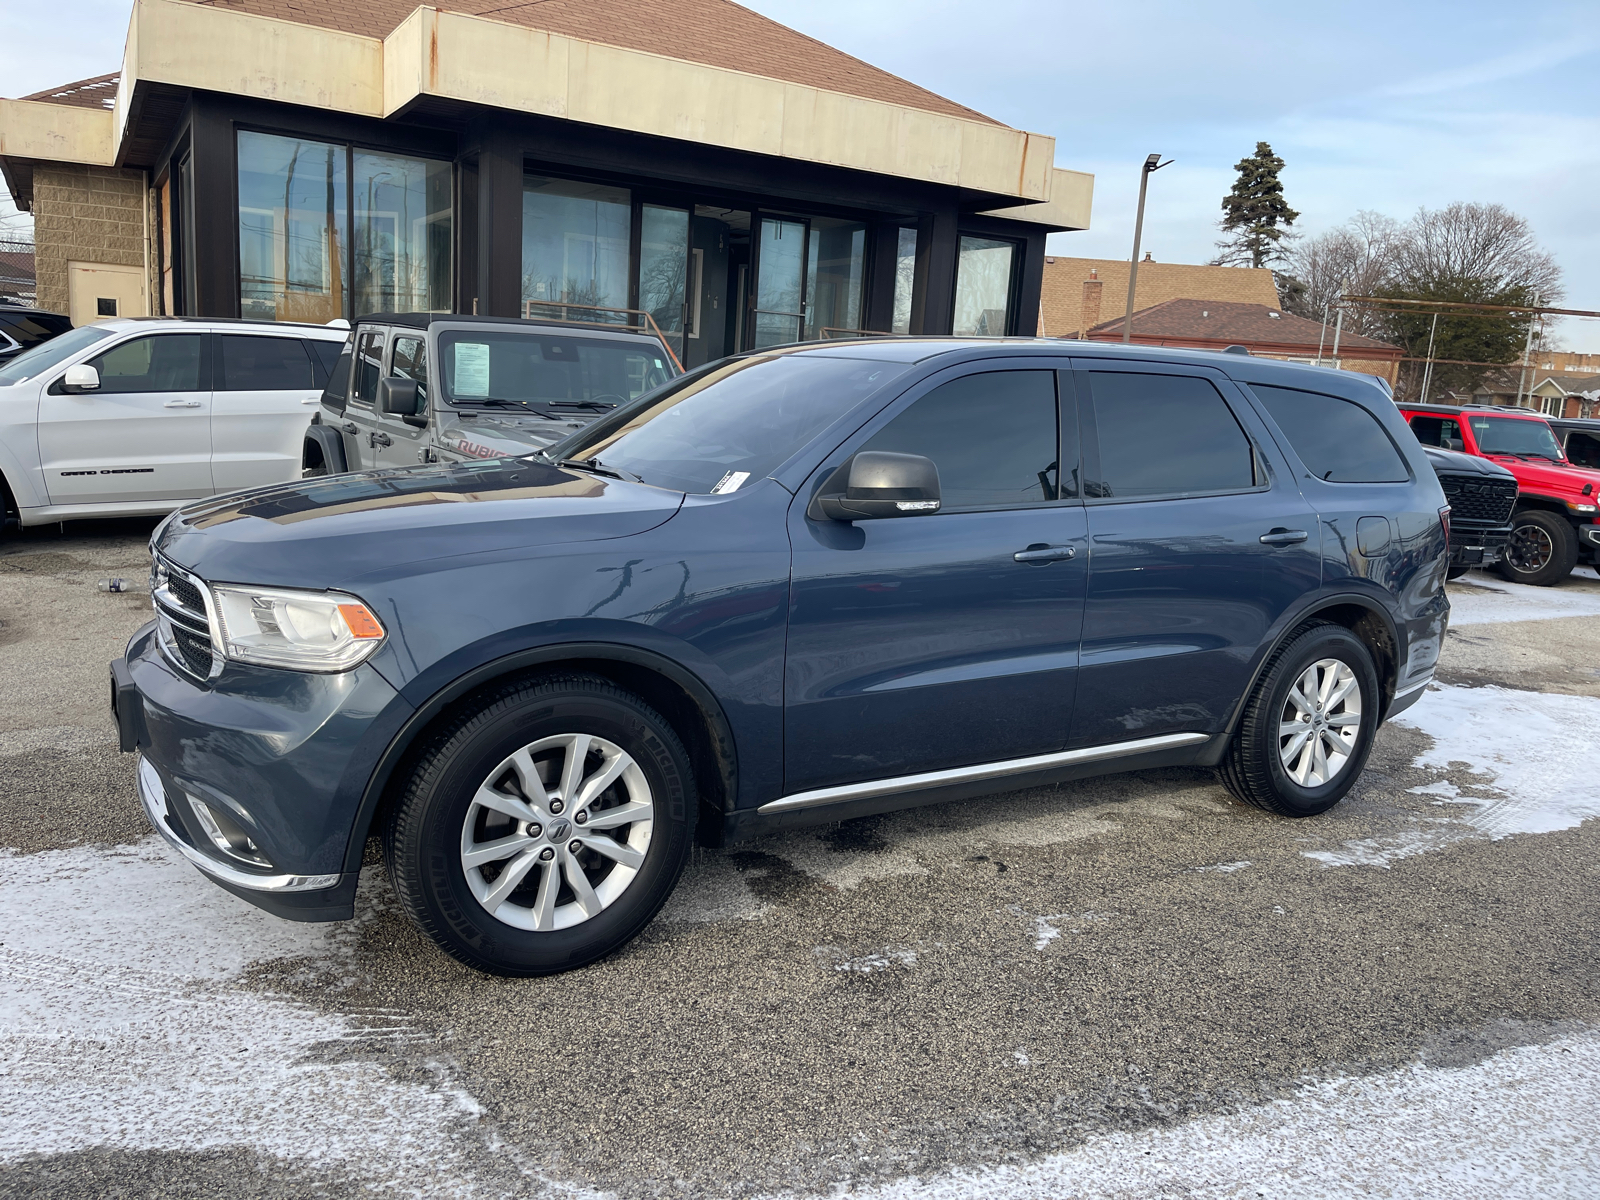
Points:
698	164
1080	293
1554	393
1263	330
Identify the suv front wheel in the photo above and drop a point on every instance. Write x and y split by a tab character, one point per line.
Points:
1308	726
1542	551
543	828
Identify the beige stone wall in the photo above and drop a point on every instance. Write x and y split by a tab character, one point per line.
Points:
1069	298
84	214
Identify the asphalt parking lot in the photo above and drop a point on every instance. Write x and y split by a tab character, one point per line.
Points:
1129	987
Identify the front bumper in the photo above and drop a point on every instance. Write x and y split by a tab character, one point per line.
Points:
256	777
1478	546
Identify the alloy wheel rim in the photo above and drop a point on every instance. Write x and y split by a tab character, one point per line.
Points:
1320	722
557	832
1531	549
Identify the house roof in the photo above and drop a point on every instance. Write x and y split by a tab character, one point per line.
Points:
1508	379
716	33
1241	324
99	91
1066	306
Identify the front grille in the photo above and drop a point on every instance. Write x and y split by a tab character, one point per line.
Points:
1479	501
182	619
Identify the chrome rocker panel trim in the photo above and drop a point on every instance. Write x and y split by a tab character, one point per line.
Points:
995	770
153	795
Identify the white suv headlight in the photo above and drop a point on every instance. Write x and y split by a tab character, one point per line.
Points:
304	631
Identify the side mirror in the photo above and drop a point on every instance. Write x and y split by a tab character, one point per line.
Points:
404	399
81	378
876	484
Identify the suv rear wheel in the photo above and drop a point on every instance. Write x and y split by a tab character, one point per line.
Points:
1542	551
544	828
1308	727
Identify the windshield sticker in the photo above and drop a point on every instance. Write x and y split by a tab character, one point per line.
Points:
472	369
730	482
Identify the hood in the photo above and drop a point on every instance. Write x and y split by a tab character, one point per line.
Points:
1561	480
494	432
1456	463
321	532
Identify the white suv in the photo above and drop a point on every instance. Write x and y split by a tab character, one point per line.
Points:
137	416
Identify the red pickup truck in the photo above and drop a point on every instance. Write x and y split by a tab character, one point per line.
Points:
1554	525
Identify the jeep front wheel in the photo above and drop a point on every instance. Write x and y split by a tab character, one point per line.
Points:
1542	551
543	828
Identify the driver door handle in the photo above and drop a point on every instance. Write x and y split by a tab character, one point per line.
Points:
183	404
1284	537
350	428
1044	554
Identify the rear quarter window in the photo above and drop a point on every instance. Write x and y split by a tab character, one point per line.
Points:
1338	440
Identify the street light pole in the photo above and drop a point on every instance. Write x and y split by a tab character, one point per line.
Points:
1152	164
1427	370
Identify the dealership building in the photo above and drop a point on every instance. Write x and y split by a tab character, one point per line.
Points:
694	165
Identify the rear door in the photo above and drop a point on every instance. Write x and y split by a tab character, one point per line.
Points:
360	424
145	435
266	391
1199	540
1436	430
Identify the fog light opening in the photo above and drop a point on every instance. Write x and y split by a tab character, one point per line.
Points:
225	834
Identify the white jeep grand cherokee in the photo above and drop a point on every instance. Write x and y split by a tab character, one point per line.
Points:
137	416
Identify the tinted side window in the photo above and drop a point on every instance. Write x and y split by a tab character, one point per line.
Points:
1434	431
992	436
29	329
1166	435
168	363
325	356
1583	448
1337	440
264	364
366	366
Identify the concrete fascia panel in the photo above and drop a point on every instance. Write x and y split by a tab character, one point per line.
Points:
56	132
1071	198
196	46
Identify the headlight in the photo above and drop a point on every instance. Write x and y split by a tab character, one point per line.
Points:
304	631
1580	508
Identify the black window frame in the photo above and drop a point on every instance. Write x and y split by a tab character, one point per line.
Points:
219	381
350	391
1089	433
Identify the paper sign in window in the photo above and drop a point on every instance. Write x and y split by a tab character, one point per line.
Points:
731	482
472	369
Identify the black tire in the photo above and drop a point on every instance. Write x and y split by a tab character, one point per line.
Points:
10	515
1253	768
1543	549
423	837
1457	572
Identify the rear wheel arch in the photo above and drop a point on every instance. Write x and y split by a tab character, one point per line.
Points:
675	692
10	513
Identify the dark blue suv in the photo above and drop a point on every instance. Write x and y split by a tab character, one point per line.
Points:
797	586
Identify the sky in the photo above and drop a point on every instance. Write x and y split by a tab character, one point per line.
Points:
1386	106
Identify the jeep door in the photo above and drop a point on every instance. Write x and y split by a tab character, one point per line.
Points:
926	642
395	443
143	435
266	391
1199	541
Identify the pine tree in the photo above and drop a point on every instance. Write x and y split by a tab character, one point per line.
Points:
1252	212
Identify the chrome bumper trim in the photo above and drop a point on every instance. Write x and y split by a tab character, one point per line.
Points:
1415	687
153	795
975	774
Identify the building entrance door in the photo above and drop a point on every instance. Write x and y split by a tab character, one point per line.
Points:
778	307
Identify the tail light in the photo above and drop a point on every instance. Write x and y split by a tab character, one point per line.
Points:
1444	522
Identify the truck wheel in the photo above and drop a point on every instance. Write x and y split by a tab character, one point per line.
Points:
1308	726
1542	551
543	828
1457	572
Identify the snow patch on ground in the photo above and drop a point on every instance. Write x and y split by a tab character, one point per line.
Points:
1499	602
1048	928
1530	756
122	1025
871	962
1518	1126
1227	868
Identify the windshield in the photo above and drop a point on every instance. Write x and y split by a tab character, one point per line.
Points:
732	422
49	354
547	371
1515	435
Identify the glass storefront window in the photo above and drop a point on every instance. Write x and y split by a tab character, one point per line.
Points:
402	233
780	276
663	261
574	247
293	223
836	267
983	287
905	277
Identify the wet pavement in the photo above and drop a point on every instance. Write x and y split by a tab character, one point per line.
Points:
1129	987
